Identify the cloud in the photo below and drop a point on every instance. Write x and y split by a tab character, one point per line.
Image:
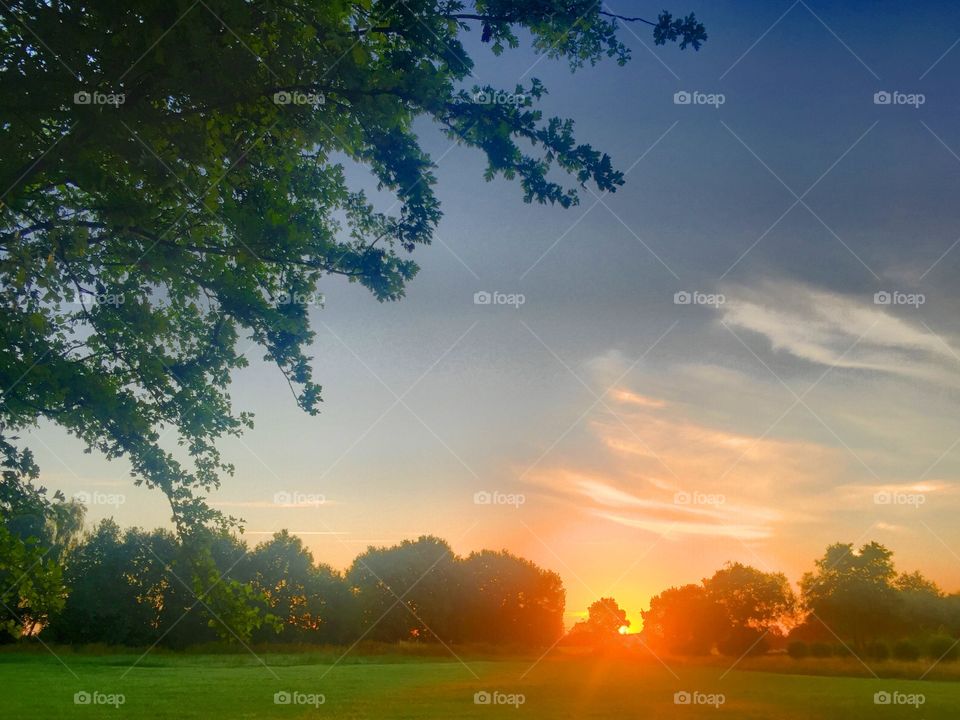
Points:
841	331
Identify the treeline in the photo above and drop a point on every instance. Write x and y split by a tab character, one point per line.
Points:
853	602
133	587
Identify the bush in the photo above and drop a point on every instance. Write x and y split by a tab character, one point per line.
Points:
798	649
943	647
742	641
906	650
821	650
842	650
878	651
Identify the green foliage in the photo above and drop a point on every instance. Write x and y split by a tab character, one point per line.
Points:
142	240
943	648
906	650
31	582
798	649
877	650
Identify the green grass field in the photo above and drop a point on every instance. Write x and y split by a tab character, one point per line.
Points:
241	686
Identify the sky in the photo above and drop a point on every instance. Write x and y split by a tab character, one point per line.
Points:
630	440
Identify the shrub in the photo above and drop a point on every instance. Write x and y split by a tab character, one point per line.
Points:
842	650
878	650
798	649
821	650
943	647
906	650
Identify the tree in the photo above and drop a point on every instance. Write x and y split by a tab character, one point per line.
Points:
605	619
174	182
507	600
410	591
683	621
753	602
853	593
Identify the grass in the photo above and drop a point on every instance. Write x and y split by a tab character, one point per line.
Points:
385	685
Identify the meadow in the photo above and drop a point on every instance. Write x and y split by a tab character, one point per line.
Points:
326	684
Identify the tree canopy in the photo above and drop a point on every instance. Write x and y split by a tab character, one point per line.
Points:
174	182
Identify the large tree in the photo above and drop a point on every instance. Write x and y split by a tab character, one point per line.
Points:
173	179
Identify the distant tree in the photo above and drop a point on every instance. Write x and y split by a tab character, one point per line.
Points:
174	183
753	602
603	623
409	591
36	534
683	620
311	603
507	600
854	593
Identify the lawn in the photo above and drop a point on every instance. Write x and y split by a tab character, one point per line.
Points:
382	686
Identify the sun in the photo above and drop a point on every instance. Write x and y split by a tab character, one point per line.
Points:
623	630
